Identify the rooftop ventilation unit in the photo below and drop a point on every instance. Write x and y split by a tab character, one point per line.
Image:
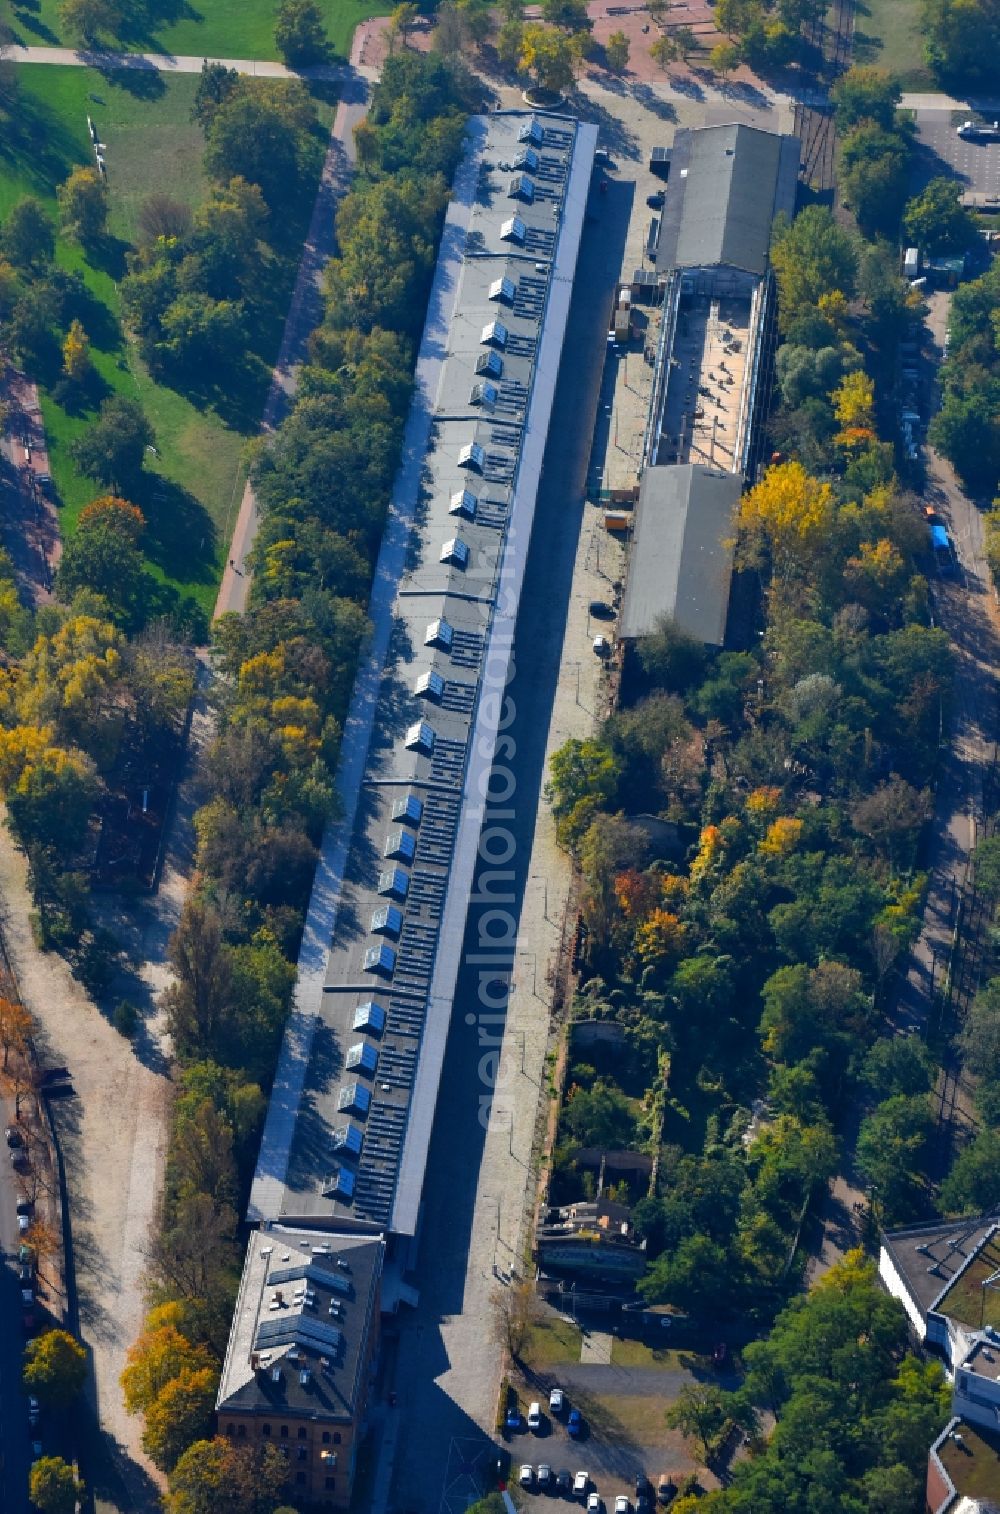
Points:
380	959
363	1057
394	882
354	1098
409	810
339	1185
348	1138
531	132
430	685
386	921
465	502
521	187
455	552
484	393
472	456
513	230
490	363
495	334
527	158
369	1016
420	738
400	844
503	291
439	634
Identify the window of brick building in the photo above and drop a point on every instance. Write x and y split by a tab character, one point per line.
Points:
300	1478
330	1484
303	1433
326	1437
265	1429
336	1437
284	1432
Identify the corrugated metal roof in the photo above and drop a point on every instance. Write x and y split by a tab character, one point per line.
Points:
682	558
727	184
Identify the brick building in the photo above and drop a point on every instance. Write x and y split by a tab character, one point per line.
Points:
300	1355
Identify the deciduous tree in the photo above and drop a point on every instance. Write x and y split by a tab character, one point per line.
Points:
83	206
55	1365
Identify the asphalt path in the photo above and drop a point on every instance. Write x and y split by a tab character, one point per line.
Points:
170	63
13	1404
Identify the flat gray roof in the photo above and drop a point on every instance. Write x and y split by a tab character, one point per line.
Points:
727	184
299	1337
682	556
928	1257
349	1122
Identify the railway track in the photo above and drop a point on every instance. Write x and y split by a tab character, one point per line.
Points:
833	40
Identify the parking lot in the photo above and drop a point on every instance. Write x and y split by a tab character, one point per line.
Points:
977	164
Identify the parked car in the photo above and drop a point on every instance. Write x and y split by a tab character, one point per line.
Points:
535	1416
665	1487
623	1504
34	1412
527	1475
595	1503
14	1136
643	1503
581	1483
513	1421
602	646
574	1424
25	1208
557	1401
564	1481
18	1157
656	201
544	1477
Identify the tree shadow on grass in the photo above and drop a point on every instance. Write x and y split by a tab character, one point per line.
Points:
24	16
180	534
36	143
140	78
108	256
94	316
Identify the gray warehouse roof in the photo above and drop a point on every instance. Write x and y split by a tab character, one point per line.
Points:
727	184
349	1122
682	557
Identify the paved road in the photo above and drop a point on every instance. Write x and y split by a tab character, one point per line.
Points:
13	1420
170	63
303	316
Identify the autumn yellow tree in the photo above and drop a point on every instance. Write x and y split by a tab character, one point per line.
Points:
660	938
789	514
15	1028
158	1356
76	353
782	837
854	406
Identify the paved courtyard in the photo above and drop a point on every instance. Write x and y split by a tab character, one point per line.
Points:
942	151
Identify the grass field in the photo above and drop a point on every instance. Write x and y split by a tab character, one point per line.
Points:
887	34
150	143
212	28
551	1343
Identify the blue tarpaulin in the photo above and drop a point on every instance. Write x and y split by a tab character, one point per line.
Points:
939	538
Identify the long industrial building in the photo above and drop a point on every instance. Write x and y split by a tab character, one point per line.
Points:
348	1128
727	185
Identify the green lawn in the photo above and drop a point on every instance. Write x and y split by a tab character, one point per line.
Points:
219	28
887	33
145	123
551	1343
